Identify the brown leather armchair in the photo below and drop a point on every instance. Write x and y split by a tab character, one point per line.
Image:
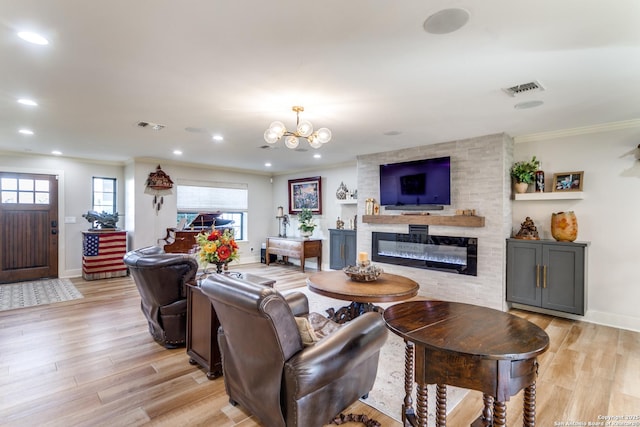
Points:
160	279
267	369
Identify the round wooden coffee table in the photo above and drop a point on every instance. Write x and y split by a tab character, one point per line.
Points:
336	284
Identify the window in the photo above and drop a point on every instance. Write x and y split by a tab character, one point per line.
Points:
229	198
104	195
24	191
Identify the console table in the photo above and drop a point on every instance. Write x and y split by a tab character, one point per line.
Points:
295	248
203	324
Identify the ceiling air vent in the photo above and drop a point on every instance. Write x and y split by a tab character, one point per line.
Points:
154	126
524	88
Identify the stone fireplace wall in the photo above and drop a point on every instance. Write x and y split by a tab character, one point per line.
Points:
479	180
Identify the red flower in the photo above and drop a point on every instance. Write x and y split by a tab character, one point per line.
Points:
215	235
224	252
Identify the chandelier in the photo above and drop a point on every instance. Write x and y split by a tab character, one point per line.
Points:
304	129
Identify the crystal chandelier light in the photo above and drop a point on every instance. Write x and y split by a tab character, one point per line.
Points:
304	129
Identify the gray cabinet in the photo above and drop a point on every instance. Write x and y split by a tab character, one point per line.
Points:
342	249
546	274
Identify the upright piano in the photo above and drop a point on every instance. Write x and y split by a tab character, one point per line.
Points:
184	240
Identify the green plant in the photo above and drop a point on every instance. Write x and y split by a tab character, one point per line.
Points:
306	220
525	171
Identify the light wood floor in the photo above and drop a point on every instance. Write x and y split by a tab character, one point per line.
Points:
92	362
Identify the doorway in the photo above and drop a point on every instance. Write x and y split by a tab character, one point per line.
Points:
28	226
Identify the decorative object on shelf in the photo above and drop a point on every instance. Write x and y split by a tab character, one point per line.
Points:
342	191
564	226
465	212
217	247
306	225
304	129
364	271
101	220
305	193
539	186
158	184
568	181
368	206
283	222
339	224
354	194
524	173
528	230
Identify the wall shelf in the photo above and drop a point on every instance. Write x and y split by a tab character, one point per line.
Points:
558	195
347	201
448	220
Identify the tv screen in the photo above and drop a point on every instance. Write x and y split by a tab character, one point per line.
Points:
415	183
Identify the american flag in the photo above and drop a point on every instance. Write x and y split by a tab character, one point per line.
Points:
103	252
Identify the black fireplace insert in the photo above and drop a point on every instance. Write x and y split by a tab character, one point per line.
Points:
422	250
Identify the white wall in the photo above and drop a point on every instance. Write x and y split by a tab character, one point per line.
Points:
137	215
150	225
607	216
74	194
331	210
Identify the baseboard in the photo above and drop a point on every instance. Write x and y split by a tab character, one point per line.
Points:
592	316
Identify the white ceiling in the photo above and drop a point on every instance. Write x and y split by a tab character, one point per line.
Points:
363	68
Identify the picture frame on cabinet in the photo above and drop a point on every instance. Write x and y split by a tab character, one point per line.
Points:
305	193
568	181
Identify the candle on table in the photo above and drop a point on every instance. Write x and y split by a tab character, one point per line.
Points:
363	256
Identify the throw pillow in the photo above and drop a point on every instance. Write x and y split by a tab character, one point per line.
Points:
306	331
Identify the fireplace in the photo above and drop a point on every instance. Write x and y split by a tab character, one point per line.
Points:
421	250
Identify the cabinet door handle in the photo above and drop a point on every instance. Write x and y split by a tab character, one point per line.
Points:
544	276
537	275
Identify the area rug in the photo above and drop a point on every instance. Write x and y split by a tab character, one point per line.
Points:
388	392
28	294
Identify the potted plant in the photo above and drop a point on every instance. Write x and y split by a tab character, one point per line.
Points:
306	225
524	173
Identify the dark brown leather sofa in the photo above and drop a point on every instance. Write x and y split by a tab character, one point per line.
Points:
160	279
269	372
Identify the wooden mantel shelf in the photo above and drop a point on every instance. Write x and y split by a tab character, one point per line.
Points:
450	220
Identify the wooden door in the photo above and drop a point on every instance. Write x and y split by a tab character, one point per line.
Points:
28	226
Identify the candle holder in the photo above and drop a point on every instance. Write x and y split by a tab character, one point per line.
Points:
283	222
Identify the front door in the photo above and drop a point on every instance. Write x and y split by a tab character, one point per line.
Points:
28	226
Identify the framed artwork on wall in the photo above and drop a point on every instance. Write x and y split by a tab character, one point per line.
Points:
305	193
568	181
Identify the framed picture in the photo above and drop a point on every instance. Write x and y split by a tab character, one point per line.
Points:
568	181
305	193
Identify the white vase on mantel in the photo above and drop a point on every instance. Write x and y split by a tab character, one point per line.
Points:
306	234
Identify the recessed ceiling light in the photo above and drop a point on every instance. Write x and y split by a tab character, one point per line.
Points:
177	152
317	156
56	153
527	104
446	21
217	137
33	38
29	102
26	131
268	165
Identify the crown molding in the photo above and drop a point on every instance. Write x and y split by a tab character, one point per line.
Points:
604	127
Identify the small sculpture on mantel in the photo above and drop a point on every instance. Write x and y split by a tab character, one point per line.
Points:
528	230
340	224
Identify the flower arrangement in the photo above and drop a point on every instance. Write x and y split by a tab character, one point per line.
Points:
305	217
217	246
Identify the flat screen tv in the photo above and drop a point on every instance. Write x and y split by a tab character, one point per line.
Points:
416	183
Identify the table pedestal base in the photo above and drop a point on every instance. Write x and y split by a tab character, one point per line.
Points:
353	310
